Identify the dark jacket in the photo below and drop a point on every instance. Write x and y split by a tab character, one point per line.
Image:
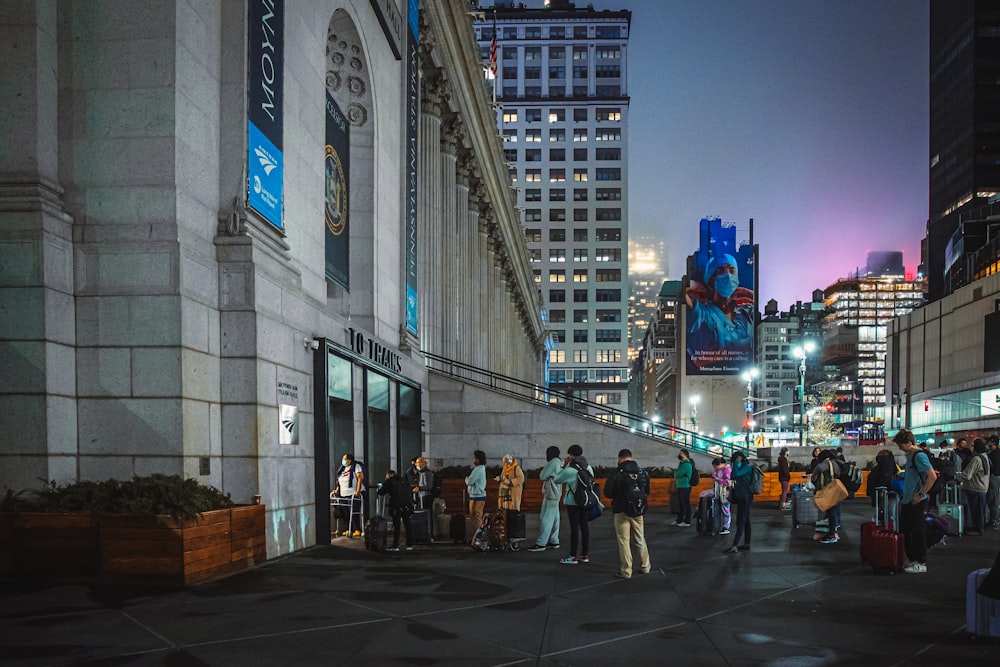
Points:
742	476
400	497
882	474
784	470
617	485
821	475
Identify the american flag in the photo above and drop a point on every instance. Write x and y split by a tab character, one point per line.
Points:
493	53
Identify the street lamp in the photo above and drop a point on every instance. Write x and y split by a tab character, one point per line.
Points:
749	375
800	352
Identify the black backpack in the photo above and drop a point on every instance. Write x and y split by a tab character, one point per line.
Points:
635	484
695	475
585	494
436	486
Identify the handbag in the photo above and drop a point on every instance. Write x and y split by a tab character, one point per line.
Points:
832	494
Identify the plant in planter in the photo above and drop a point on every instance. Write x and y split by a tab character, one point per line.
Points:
160	529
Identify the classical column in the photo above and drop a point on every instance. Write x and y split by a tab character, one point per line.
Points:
463	297
447	242
471	276
429	209
484	266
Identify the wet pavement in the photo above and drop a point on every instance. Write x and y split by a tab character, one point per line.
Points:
789	601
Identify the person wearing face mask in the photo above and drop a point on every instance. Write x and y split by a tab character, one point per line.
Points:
682	486
721	315
350	484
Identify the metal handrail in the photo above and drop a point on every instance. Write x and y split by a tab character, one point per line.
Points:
544	396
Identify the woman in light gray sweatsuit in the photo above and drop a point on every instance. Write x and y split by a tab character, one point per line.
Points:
548	535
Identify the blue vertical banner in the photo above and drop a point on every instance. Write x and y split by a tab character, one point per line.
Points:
720	302
337	168
265	87
412	120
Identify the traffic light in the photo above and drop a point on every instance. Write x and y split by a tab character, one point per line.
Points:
747	423
927	406
829	407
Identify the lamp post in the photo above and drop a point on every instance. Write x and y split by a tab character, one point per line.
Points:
749	375
801	352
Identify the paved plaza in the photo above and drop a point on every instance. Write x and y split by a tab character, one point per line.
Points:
790	601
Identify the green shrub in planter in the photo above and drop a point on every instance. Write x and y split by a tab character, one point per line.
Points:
171	495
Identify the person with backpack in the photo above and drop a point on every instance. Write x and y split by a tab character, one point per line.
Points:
548	519
742	497
917	482
579	528
682	487
400	507
722	474
975	478
628	488
421	481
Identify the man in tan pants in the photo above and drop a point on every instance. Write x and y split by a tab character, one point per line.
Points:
628	488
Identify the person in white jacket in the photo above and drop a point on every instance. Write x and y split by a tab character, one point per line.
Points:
548	533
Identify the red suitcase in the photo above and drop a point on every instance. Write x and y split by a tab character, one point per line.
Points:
880	547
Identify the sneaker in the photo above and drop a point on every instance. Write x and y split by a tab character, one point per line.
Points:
730	550
345	533
644	571
393	549
568	560
552	546
621	576
744	547
915	568
833	539
676	523
409	548
684	525
583	559
356	533
724	531
537	547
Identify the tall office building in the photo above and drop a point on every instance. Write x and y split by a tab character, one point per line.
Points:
964	142
647	268
563	117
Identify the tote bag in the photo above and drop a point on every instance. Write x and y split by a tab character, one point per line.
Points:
832	494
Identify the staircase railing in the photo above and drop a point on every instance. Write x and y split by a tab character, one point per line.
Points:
586	409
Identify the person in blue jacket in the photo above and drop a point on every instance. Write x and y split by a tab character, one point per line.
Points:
578	526
548	520
476	485
741	496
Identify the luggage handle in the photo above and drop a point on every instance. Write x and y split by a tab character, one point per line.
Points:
882	507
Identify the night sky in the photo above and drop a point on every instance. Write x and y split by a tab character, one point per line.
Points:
809	117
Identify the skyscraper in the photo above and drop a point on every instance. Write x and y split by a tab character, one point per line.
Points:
964	139
647	262
563	117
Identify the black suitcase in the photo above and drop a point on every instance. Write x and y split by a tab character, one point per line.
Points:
418	528
376	528
804	511
456	529
516	528
709	518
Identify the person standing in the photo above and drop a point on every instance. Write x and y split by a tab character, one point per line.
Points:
975	477
722	474
882	474
682	486
511	480
476	486
400	507
579	528
350	484
742	497
827	469
548	519
628	488
784	478
917	482
421	483
993	495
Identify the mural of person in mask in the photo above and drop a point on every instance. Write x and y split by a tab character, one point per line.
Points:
720	319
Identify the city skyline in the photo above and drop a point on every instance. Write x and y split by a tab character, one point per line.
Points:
806	117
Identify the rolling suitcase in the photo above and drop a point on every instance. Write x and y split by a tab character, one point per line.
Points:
881	547
804	510
456	528
375	529
982	614
887	513
951	509
418	525
516	526
709	517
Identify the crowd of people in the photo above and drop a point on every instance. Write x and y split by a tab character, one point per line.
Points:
973	468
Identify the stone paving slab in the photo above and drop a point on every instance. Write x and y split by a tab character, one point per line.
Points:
790	601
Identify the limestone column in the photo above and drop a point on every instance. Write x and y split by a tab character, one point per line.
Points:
38	406
463	297
484	265
471	277
429	209
448	248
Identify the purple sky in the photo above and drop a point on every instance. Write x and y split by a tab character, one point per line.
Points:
809	117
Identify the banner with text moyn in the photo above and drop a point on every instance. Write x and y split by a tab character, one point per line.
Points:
337	168
265	72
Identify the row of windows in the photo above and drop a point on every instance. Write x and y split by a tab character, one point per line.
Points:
534	135
579	215
610	356
579	194
581	275
558	32
558	175
534	235
580	335
558	115
559	154
579	255
580	316
580	375
557	72
582	295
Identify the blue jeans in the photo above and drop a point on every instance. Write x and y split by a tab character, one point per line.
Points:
833	516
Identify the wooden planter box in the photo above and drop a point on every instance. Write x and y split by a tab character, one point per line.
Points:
155	550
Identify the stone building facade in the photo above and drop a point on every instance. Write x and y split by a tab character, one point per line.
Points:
155	319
